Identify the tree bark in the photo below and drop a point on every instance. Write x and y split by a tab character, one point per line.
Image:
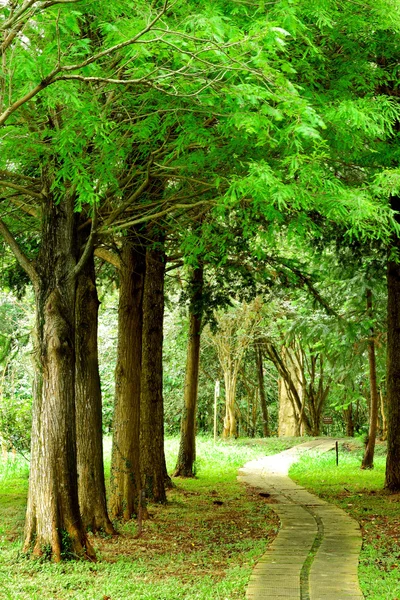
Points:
230	423
348	415
53	522
383	416
368	460
392	480
125	462
91	484
263	400
187	447
152	458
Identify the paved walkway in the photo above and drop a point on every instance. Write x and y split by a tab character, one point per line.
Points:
315	555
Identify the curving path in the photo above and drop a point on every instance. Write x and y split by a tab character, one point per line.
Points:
315	555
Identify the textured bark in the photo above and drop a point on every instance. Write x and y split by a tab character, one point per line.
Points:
348	415
125	463
152	458
368	460
187	446
392	481
53	521
91	485
263	400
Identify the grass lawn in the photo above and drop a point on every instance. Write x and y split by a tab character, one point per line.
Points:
360	493
202	545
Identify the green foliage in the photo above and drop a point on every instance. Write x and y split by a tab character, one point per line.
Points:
16	372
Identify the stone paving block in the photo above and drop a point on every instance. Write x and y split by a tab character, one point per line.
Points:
272	593
303	517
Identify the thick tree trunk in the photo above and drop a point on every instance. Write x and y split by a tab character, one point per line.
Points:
368	460
187	447
125	463
91	485
289	421
263	400
53	522
392	481
152	458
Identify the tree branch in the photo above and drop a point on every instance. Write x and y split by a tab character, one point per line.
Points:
51	77
41	86
20	188
89	246
108	256
129	42
23	260
162	213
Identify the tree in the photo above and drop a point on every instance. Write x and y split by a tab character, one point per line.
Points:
368	460
91	484
187	447
235	332
152	458
126	482
261	387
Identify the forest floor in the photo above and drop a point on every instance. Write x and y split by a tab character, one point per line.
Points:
202	545
205	542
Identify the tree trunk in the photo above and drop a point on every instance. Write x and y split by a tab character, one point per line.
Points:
230	424
152	457
263	400
289	420
91	485
368	460
125	462
383	416
53	522
187	447
348	415
392	481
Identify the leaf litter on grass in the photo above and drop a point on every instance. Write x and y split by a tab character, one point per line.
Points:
201	546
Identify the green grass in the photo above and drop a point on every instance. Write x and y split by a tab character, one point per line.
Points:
201	546
360	493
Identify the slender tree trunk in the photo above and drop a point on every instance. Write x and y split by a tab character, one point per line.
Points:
261	387
152	457
383	415
368	460
187	447
230	423
392	481
125	463
91	485
53	522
